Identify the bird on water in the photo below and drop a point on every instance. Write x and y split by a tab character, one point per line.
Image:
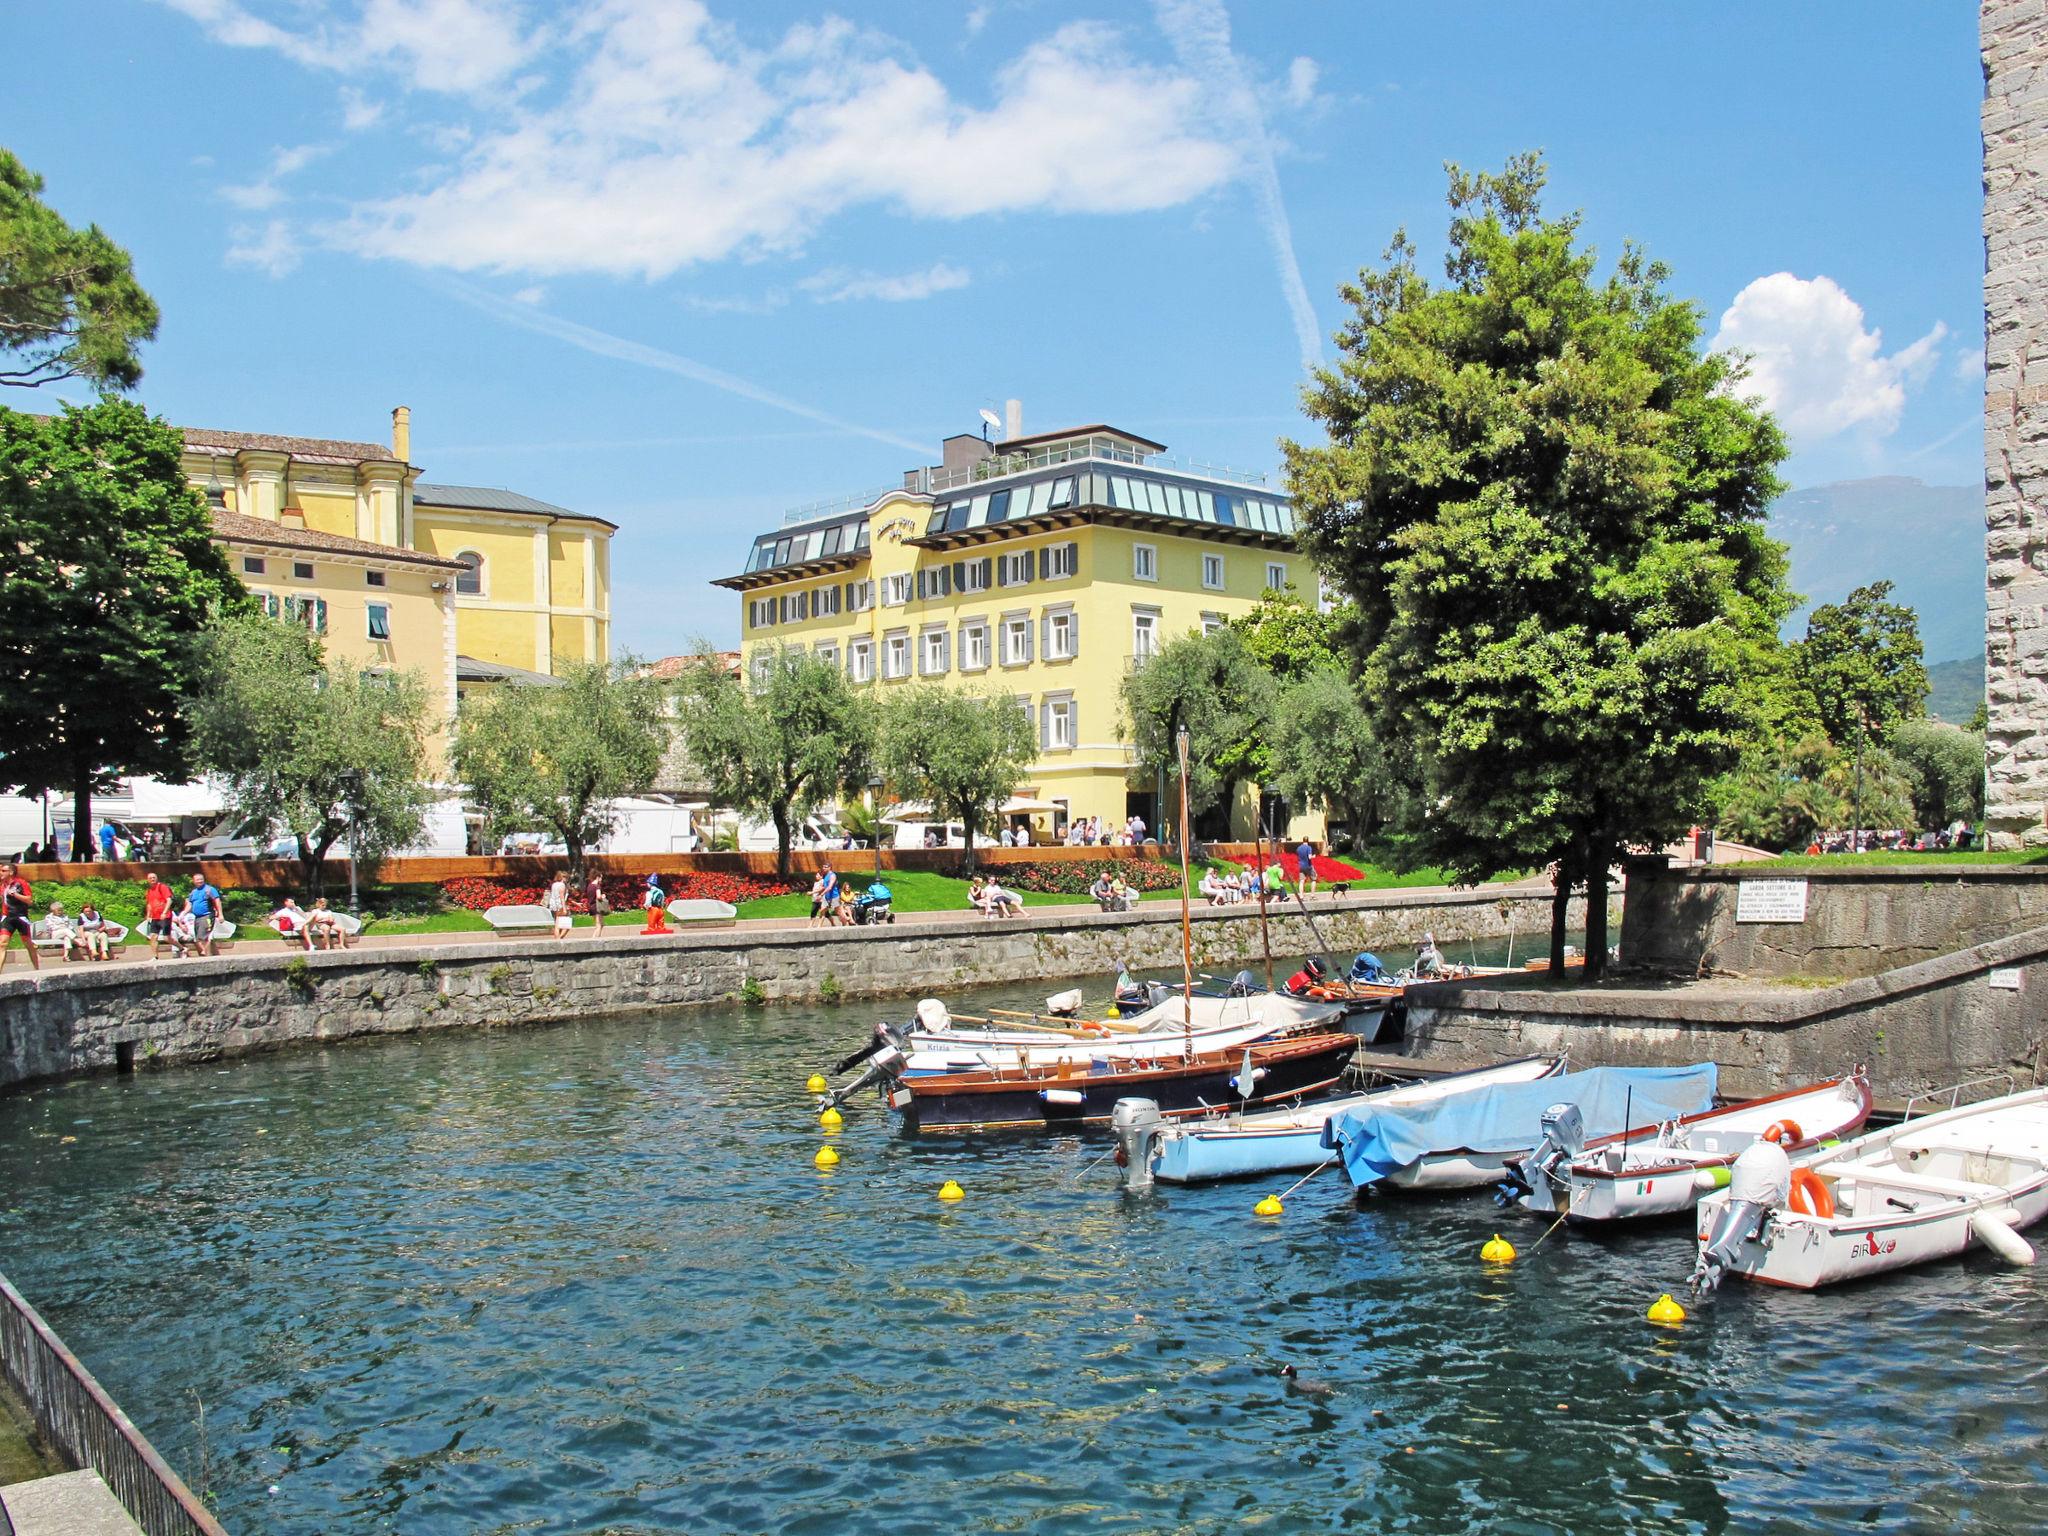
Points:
1307	1386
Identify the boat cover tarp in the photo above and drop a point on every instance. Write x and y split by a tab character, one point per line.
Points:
1377	1143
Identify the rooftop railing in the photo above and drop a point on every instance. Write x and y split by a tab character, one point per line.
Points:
85	1428
1080	450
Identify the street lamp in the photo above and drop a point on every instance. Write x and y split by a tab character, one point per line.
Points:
875	806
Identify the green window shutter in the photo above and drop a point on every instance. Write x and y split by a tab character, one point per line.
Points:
320	616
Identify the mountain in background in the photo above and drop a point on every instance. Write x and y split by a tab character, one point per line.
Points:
1927	540
1955	689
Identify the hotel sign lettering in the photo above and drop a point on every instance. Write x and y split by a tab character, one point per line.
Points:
1770	901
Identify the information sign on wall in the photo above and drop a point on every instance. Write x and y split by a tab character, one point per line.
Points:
1770	901
2009	978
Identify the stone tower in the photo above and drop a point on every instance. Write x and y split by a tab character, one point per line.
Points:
2014	37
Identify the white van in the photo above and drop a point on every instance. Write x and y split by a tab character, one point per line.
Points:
945	834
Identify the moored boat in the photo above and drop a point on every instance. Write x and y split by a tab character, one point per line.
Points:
1928	1188
1075	1094
1664	1169
1289	1138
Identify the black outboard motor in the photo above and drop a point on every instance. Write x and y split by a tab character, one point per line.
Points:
885	1057
1564	1137
1132	993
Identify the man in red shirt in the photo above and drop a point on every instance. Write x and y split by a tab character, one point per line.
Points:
157	901
14	903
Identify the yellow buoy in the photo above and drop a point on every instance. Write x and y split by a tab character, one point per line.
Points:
1270	1206
816	1083
1498	1251
951	1191
1666	1311
1111	1012
826	1158
831	1119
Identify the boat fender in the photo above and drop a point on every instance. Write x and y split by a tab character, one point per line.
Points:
1785	1133
1707	1180
932	1014
2001	1239
1071	1098
1810	1196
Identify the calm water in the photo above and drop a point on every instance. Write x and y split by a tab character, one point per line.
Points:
585	1279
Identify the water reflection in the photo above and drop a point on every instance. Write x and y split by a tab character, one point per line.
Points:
586	1279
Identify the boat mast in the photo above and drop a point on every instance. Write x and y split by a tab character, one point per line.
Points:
1187	941
1265	934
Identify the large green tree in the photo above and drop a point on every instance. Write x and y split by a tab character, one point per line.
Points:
1210	684
534	756
70	307
1946	766
1861	661
1548	503
108	572
964	752
1323	754
315	748
778	743
1291	637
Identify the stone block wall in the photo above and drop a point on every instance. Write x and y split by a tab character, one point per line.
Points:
2014	38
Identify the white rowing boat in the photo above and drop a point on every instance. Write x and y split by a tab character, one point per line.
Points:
1664	1169
1926	1189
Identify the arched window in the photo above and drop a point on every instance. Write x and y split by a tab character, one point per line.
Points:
470	580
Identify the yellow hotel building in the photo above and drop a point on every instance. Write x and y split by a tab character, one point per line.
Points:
468	585
1044	567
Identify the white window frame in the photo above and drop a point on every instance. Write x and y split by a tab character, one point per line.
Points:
1211	622
1212	564
975	576
828	652
976	630
860	659
897	643
1017	568
896	589
1057	619
480	573
1276	575
1144	562
862	597
1144	635
761	613
934	651
1057	707
1063	561
1017	624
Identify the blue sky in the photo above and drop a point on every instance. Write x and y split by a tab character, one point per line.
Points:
685	265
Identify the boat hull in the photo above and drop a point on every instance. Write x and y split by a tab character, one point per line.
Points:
1076	1099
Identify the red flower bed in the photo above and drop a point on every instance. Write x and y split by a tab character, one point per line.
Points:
626	892
1326	868
1073	879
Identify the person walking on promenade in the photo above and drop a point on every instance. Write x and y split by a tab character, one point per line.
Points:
15	896
203	902
557	903
828	895
1305	867
157	901
817	897
599	903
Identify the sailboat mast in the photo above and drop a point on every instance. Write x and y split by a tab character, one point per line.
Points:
1265	933
1187	941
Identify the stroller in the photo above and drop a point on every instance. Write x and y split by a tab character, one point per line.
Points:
874	905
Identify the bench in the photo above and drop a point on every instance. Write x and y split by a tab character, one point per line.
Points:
349	925
703	913
515	920
40	935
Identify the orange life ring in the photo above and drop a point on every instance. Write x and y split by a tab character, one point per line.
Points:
1785	1133
1810	1196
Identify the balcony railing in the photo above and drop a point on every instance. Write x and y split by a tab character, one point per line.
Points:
1080	450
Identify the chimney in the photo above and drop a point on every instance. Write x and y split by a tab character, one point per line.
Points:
1013	418
401	433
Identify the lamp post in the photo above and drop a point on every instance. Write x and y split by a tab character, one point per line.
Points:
875	806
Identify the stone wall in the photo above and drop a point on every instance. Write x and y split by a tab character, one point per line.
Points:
1859	922
1916	1027
2014	38
94	1019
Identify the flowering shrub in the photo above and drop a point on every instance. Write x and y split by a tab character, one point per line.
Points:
478	892
1326	868
1064	879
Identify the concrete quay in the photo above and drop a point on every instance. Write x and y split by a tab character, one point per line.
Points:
69	1504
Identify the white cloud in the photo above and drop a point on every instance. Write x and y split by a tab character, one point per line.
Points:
358	111
1302	76
738	303
659	139
977	18
531	295
1970	366
835	284
270	248
267	191
1200	33
1815	363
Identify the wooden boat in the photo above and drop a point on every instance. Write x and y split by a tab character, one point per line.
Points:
1277	1140
1075	1094
1928	1188
1662	1170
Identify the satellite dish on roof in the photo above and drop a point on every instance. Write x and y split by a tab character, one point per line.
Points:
990	421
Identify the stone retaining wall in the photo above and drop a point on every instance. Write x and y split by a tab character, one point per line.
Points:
1859	921
100	1018
1917	1027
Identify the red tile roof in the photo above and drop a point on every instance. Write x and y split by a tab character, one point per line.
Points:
325	450
237	528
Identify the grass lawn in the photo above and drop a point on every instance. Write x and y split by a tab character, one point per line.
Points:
1897	860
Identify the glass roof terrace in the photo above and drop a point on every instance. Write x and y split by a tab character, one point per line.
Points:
1092	489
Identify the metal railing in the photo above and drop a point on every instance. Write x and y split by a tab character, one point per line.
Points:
1082	450
85	1427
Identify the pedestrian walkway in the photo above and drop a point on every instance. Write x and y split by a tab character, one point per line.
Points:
70	1504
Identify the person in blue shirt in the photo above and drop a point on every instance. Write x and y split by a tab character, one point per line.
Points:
1305	866
828	897
107	837
203	902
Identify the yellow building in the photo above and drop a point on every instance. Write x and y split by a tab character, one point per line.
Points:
515	586
1045	567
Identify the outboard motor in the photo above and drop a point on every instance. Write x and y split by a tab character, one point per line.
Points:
1366	967
1242	985
1064	1005
1157	992
1563	1138
885	1059
1136	1124
1757	1186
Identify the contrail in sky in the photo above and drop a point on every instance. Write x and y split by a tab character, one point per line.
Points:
604	344
1200	33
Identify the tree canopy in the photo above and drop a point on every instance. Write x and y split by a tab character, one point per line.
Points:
108	574
1210	684
535	756
320	751
1548	504
964	752
781	744
1861	661
1290	637
70	307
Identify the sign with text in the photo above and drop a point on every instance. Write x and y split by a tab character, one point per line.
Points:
2009	978
1770	901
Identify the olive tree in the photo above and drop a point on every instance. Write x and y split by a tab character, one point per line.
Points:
964	752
